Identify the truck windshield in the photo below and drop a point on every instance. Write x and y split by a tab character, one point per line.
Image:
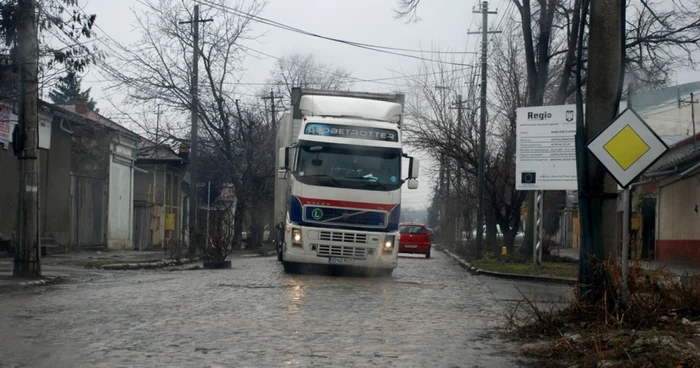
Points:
349	166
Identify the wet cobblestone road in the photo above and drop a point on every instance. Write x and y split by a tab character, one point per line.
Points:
431	313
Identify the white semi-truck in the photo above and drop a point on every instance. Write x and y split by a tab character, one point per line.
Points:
338	190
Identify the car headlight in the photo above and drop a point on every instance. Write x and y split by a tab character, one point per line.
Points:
296	236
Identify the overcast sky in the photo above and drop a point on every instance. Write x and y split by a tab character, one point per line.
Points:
444	24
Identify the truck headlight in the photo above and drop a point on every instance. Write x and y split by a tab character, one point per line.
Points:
296	236
388	245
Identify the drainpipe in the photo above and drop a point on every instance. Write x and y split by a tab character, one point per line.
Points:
687	172
662	173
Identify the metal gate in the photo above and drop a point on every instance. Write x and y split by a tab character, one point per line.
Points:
89	211
143	214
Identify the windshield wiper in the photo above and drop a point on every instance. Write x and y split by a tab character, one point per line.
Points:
324	176
368	181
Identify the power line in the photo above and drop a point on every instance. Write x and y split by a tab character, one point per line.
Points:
112	71
377	48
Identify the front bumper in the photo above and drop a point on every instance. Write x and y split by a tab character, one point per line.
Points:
341	247
414	248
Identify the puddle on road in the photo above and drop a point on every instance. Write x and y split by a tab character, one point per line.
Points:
255	286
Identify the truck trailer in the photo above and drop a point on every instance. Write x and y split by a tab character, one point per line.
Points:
338	189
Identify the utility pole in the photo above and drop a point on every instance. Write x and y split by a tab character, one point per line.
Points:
692	116
194	184
459	188
271	97
27	263
157	144
597	189
482	126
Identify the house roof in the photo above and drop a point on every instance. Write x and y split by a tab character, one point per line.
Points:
62	112
227	194
650	100
104	121
671	140
148	150
682	154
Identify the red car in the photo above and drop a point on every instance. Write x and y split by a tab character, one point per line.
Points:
415	238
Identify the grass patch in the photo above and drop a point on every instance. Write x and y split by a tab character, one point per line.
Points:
554	269
658	325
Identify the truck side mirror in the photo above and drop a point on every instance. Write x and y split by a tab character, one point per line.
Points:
413	168
412	183
283	158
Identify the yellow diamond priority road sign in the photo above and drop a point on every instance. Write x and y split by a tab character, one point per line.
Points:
627	147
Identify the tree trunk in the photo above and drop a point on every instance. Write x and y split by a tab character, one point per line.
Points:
604	69
491	231
509	239
256	228
467	220
238	223
597	203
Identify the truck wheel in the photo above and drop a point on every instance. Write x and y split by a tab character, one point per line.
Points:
387	273
291	268
427	255
280	256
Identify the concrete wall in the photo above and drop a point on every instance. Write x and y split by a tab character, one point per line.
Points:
678	230
672	119
91	151
56	190
9	192
54	166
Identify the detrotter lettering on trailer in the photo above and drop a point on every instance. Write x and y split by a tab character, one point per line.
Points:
344	131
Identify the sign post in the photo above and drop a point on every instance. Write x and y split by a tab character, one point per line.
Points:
627	147
537	233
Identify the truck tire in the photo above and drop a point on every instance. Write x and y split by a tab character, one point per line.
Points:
280	255
427	255
290	268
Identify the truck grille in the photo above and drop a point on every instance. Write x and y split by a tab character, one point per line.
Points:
344	237
340	216
341	251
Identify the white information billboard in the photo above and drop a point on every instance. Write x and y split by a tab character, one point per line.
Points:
546	148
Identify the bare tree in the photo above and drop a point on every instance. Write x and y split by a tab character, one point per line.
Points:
159	69
64	30
436	130
660	37
305	71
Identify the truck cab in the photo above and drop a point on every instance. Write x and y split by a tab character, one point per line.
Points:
343	176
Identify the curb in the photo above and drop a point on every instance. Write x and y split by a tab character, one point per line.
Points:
533	278
513	276
268	254
148	265
33	283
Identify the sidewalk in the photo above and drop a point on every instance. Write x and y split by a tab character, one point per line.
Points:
80	265
678	269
